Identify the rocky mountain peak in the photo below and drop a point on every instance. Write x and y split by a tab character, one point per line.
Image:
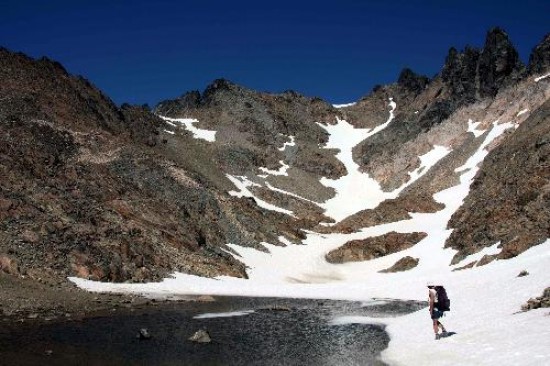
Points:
459	72
474	74
539	60
412	81
499	63
218	85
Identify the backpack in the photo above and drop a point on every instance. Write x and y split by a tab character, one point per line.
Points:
443	302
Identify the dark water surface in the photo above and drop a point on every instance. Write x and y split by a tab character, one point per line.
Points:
278	332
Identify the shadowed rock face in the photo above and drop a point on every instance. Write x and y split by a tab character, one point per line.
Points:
459	73
409	80
499	63
539	61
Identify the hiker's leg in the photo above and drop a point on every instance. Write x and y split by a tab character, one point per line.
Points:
436	326
442	327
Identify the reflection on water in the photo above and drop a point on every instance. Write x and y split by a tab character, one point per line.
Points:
265	332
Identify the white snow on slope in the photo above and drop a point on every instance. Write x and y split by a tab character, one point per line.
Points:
343	105
426	162
523	111
472	127
541	77
484	299
484	315
223	315
357	191
291	143
275	189
188	123
242	183
281	171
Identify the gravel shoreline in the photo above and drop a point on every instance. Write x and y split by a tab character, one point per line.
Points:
28	300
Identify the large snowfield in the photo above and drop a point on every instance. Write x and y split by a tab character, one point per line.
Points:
485	301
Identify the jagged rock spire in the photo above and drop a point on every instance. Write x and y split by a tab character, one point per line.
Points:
498	63
539	61
460	72
475	74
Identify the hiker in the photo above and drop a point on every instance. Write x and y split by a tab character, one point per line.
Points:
437	308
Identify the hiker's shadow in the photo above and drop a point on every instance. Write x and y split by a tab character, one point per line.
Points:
447	334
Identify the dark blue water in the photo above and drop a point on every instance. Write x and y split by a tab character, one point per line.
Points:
278	332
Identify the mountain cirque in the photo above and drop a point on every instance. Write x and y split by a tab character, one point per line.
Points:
112	193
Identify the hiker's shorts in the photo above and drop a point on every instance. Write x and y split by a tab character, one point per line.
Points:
436	314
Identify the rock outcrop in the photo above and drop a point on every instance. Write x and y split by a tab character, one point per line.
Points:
374	247
538	302
404	264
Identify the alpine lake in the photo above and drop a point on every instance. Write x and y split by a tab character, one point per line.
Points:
243	331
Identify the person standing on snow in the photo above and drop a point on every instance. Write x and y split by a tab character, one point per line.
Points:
435	312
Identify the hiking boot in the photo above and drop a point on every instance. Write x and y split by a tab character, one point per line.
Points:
437	337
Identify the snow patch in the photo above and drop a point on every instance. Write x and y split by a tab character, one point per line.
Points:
223	315
472	127
291	143
275	189
344	105
242	183
523	111
355	191
427	161
281	171
541	77
188	123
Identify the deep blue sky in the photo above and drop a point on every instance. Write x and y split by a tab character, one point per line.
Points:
145	51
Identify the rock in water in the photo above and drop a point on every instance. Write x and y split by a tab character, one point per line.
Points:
201	336
143	334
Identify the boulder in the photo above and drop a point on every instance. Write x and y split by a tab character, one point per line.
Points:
143	334
9	265
201	336
404	264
